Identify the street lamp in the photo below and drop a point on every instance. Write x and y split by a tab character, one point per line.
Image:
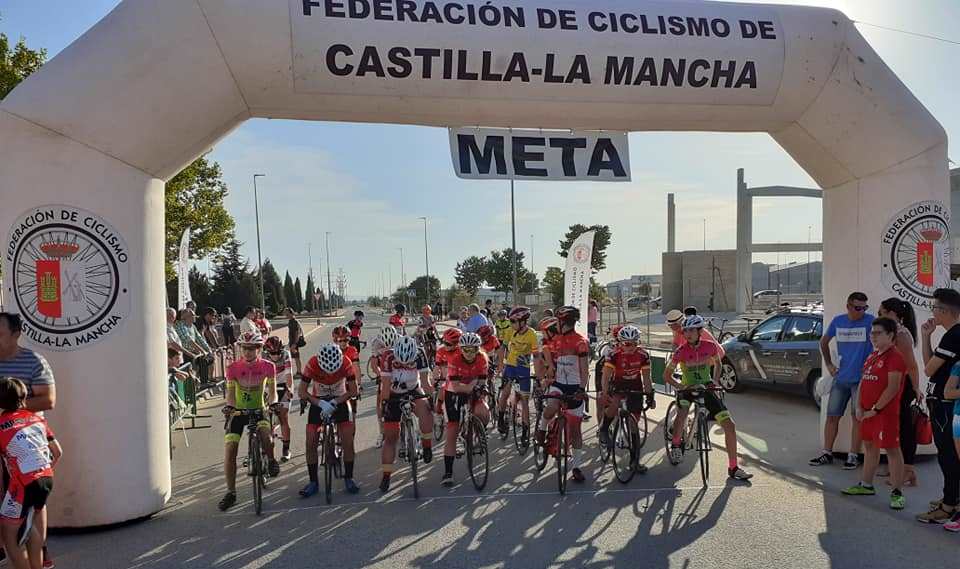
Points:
403	277
329	283
256	210
426	255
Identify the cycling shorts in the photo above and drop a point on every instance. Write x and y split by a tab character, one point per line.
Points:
343	414
393	413
455	402
20	499
282	392
519	374
635	399
718	411
238	423
575	408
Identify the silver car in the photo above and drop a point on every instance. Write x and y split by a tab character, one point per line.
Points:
782	351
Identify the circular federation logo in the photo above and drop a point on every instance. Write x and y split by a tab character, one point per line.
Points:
581	254
916	252
68	276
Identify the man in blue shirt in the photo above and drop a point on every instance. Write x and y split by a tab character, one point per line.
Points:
475	320
851	331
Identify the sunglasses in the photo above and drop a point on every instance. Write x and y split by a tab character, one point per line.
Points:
630	343
861	308
469	350
276	354
250	348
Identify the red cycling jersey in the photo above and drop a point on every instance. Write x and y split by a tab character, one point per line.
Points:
491	345
566	350
627	366
397	322
24	442
323	384
355	326
461	370
444	354
351	354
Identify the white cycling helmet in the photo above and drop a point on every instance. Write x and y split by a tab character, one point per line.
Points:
330	358
470	340
694	321
389	335
251	339
405	350
629	334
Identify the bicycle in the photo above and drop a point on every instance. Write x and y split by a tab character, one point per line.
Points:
409	438
517	422
719	332
439	417
696	431
539	451
473	435
558	436
331	456
629	435
256	459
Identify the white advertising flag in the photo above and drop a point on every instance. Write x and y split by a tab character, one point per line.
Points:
183	270
576	285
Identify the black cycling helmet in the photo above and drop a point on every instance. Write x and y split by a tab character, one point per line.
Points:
357	313
400	307
568	314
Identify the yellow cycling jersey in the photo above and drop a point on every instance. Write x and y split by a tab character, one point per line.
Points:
520	347
504	329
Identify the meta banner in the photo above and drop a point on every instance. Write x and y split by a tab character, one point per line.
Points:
695	53
504	154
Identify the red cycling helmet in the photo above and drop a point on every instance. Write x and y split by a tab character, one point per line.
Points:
341	333
273	344
452	336
550	325
485	332
615	331
521	313
568	314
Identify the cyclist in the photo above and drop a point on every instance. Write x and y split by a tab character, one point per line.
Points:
329	382
399	376
341	337
355	326
520	347
604	352
626	368
699	363
449	346
567	360
248	379
380	346
675	319
502	324
280	357
490	345
549	329
398	319
466	369
427	332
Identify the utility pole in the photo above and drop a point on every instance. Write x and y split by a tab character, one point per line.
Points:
329	283
531	254
426	255
256	211
310	274
342	287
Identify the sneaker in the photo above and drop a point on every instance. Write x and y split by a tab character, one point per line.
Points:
285	457
676	455
427	454
385	483
309	490
953	525
897	501
934	504
739	474
273	468
859	489
447	479
351	486
852	463
640	468
936	516
604	436
228	501
577	475
822	460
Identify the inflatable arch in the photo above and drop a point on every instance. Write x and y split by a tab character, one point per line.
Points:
87	143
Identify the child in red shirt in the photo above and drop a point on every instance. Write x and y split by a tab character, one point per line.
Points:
29	452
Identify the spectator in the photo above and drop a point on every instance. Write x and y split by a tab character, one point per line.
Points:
26	365
488	309
295	337
593	316
937	366
193	306
208	328
902	313
248	323
194	346
675	320
852	334
952	391
462	318
263	325
474	319
173	339
878	410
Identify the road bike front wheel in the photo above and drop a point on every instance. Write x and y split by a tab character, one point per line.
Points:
478	459
518	441
328	462
560	430
624	449
411	444
256	466
703	447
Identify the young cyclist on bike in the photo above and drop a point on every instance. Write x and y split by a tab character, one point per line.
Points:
449	346
329	382
341	337
502	324
549	330
248	380
489	345
280	357
520	347
355	326
466	371
699	362
399	376
398	319
626	368
567	358
380	346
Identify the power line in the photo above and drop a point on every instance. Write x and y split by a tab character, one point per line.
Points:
909	33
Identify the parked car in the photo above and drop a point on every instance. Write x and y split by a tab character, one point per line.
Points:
766	294
782	350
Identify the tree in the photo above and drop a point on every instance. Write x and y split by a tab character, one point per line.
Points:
274	295
17	63
194	198
601	241
471	274
597	292
419	286
308	303
289	291
553	279
500	272
298	289
234	285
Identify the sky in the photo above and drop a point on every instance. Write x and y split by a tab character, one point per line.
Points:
319	179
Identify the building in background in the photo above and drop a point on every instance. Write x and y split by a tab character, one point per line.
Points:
635	286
